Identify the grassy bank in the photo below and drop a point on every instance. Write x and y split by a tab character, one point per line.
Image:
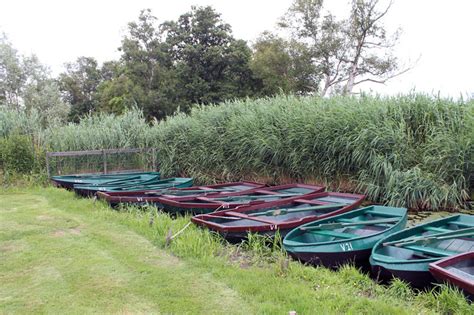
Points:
414	150
64	254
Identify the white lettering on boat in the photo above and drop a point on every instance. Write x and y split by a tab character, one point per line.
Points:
346	246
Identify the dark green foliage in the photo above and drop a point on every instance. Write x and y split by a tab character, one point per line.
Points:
211	66
280	66
168	67
79	86
17	154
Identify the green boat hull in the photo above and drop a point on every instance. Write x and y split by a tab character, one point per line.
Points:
68	181
88	190
412	265
353	244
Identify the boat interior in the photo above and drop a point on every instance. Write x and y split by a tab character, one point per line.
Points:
436	247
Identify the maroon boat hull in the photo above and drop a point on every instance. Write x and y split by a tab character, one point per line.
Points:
439	271
143	197
269	226
198	205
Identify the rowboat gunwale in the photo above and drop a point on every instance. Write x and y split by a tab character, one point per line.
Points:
439	271
63	181
178	183
184	204
274	225
415	271
116	197
379	257
402	220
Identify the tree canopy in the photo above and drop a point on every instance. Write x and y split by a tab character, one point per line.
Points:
168	66
345	52
27	85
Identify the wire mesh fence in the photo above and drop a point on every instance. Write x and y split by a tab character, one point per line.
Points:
101	161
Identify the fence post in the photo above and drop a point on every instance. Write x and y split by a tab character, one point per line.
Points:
104	155
153	159
47	165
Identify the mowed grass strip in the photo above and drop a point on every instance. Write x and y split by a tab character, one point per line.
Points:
57	260
62	254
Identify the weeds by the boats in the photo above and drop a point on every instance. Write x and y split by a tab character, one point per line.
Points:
447	300
265	253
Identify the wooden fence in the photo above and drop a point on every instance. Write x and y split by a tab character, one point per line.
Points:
149	160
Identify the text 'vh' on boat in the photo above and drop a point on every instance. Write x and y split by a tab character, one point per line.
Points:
345	238
408	253
150	197
208	204
457	270
68	181
153	184
280	215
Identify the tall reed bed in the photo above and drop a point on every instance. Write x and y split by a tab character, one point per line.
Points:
20	123
101	131
409	150
413	150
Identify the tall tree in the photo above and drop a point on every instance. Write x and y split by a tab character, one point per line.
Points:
79	85
367	37
41	92
211	65
12	74
281	66
348	52
147	69
27	85
271	63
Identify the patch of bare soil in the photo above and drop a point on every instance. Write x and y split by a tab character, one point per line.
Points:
70	231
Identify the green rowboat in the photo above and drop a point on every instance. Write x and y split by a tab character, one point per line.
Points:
407	254
346	238
154	184
68	181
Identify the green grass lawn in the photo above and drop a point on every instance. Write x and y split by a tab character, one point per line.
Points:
62	254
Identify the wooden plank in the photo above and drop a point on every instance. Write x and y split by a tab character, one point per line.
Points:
381	214
334	234
461	224
436	229
75	153
96	152
48	166
337	225
244	216
104	157
431	250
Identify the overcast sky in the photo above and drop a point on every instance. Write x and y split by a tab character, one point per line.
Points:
437	32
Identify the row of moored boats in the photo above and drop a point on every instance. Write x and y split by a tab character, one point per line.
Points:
319	227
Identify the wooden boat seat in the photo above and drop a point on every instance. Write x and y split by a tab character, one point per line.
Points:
342	220
334	234
431	250
461	224
378	213
460	273
436	229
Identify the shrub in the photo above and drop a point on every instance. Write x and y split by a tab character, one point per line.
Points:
17	154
